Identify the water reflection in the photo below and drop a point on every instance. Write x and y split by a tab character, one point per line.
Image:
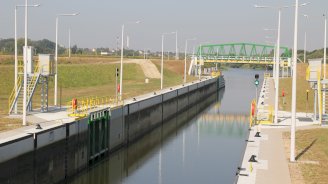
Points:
187	149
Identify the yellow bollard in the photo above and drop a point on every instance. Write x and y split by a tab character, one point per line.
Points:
251	167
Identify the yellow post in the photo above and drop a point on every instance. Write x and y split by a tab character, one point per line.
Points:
251	167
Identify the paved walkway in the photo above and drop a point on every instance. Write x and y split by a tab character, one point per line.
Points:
272	163
273	151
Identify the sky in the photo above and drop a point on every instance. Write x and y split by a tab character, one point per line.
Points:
210	21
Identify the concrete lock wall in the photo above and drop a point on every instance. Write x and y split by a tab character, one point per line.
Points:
77	146
16	158
116	134
51	155
143	116
146	114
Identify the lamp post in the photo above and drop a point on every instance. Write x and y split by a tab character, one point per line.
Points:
325	49
277	60
200	64
16	50
25	67
176	46
69	43
274	56
278	55
324	65
162	61
56	52
305	39
293	126
122	52
185	64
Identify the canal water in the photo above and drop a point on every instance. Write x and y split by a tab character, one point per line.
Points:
206	149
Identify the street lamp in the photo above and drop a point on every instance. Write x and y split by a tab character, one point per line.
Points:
176	46
185	64
324	63
274	56
122	48
16	50
292	132
69	43
278	55
162	62
56	52
307	18
325	49
293	126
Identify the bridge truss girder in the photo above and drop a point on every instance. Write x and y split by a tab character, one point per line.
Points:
241	53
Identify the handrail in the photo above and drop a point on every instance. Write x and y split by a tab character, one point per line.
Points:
14	93
30	86
84	104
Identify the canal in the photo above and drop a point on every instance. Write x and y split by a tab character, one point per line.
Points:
206	149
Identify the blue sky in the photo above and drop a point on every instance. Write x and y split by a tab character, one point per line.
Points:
214	21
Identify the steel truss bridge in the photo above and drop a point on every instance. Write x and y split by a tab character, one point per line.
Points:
242	53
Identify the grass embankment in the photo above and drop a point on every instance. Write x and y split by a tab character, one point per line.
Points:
94	77
312	156
302	86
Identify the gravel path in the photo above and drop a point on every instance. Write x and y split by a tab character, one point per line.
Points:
149	68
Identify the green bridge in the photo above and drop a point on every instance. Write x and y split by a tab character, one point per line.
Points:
243	53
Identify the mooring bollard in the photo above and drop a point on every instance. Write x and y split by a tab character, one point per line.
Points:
252	159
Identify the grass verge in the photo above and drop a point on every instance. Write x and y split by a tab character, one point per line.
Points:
312	156
302	104
89	79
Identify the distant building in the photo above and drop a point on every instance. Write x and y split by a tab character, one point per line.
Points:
104	53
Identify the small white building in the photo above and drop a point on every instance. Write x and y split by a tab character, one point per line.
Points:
104	53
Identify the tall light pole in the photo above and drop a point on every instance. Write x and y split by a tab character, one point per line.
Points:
16	50
325	49
293	126
69	43
162	61
324	65
122	52
185	64
305	37
278	55
176	46
25	67
274	56
56	53
277	60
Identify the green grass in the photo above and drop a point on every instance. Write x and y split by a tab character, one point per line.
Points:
302	86
87	79
312	145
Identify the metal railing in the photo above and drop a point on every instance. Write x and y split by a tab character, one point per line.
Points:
31	84
14	93
86	104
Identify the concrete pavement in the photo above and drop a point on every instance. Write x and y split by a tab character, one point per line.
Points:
272	163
